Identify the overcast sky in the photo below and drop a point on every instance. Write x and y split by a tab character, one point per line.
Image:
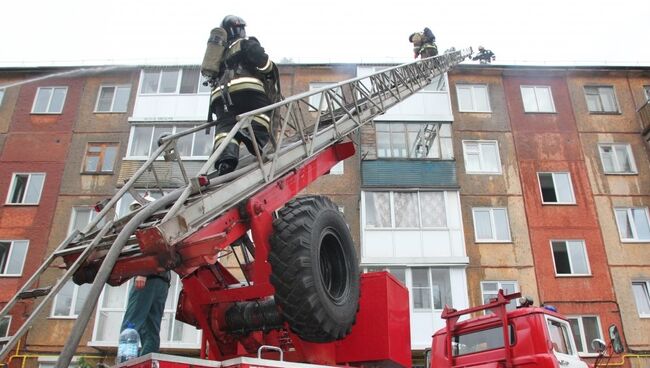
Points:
82	32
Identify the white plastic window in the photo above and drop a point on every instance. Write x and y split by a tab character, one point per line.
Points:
491	224
570	258
407	210
473	98
12	257
633	224
556	188
490	289
49	100
617	159
537	99
26	188
113	99
481	157
642	297
585	329
144	141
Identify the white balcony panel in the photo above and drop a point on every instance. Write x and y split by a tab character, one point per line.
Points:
382	244
407	243
436	244
191	107
423	106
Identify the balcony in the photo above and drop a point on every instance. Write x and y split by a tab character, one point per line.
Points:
644	112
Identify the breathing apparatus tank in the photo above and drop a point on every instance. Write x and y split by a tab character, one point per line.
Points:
214	52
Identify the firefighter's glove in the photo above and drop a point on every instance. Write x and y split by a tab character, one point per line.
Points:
255	54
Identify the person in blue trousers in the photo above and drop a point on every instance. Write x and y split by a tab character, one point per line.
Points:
146	307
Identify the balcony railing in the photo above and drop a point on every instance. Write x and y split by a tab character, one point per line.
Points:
644	112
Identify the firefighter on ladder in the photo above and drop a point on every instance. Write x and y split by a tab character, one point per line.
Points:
484	56
424	43
245	79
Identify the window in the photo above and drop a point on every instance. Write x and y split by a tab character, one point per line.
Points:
490	289
69	300
405	210
537	99
481	157
556	188
570	258
483	340
111	308
633	224
144	141
49	100
431	288
26	188
601	99
315	100
642	297
337	169
100	157
646	90
172	81
2	95
559	334
414	140
491	225
81	217
473	98
12	257
5	322
398	272
617	158
585	329
122	207
113	98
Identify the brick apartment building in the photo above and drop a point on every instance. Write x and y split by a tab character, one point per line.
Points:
537	180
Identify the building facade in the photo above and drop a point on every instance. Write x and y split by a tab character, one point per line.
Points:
530	179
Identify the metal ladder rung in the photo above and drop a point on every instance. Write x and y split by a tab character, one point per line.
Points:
35	293
72	250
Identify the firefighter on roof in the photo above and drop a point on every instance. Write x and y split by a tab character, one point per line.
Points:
243	79
484	55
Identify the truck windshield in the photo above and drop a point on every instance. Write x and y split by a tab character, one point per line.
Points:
478	341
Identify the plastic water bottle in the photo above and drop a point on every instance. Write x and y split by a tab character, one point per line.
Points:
128	344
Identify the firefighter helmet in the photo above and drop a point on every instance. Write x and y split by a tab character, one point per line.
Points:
234	26
481	48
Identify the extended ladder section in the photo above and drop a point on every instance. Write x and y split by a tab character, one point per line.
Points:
301	131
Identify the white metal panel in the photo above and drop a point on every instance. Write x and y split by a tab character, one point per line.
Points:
423	325
428	106
458	281
171	107
457	243
436	243
378	244
407	243
453	210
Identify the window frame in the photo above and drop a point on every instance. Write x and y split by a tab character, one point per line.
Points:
646	284
602	111
553	173
12	187
8	327
480	143
174	127
630	156
101	157
10	253
492	225
535	88
2	95
585	344
73	303
472	87
632	224
499	287
49	102
646	91
584	253
112	108
338	169
179	80
441	146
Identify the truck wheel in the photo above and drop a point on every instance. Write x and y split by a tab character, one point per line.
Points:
315	270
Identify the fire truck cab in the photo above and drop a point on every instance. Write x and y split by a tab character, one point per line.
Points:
526	337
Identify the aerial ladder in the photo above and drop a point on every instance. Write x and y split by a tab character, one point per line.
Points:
190	228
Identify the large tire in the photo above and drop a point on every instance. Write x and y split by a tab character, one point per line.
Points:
315	269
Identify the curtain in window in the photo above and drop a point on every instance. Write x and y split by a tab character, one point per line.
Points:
483	224
378	209
406	210
432	206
